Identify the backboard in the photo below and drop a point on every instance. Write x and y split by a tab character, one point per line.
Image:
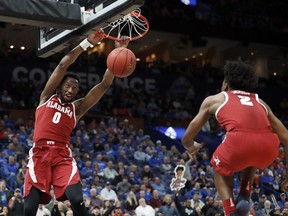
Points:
53	40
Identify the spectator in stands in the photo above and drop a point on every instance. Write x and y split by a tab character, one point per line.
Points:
123	157
196	201
262	200
277	183
159	186
18	147
147	172
166	167
16	205
97	171
9	123
202	193
21	175
217	209
10	150
186	209
156	202
87	144
167	209
69	212
267	181
281	202
256	193
139	155
58	209
4	210
94	198
95	211
131	201
154	161
100	162
143	193
267	208
143	209
257	209
23	135
123	187
146	182
43	211
136	170
6	99
98	183
12	169
5	194
118	211
87	172
201	179
208	204
109	172
133	180
107	193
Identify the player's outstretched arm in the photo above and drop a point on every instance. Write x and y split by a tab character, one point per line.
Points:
59	72
94	95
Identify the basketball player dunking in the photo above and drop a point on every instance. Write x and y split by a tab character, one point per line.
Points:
50	159
252	137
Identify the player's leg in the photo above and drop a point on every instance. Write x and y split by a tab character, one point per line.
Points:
66	182
224	186
31	202
243	199
75	196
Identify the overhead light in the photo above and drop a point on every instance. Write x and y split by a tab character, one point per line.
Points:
11	46
22	48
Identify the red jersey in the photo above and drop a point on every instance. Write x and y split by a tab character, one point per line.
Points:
242	111
54	121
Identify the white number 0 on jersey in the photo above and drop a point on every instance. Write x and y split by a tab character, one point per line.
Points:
244	100
56	117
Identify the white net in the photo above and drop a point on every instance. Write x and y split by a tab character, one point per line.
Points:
134	25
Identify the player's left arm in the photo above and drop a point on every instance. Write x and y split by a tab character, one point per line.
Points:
279	128
195	126
95	94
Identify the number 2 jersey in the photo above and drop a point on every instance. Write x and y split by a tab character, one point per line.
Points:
242	111
249	139
54	121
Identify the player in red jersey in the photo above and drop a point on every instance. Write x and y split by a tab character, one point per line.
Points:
50	159
253	135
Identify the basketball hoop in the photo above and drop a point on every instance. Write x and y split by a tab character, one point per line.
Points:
134	25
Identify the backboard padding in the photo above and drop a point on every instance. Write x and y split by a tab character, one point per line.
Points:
106	12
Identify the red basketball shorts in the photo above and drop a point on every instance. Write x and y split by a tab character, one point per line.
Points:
50	165
240	150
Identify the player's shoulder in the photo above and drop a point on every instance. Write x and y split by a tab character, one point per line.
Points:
219	97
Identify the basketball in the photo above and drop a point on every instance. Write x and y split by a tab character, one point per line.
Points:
121	62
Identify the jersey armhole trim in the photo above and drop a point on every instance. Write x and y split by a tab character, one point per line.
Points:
258	100
74	114
219	108
45	102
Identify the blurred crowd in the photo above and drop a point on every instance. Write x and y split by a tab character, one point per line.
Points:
251	14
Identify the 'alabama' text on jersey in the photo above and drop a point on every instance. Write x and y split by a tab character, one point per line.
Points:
55	121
